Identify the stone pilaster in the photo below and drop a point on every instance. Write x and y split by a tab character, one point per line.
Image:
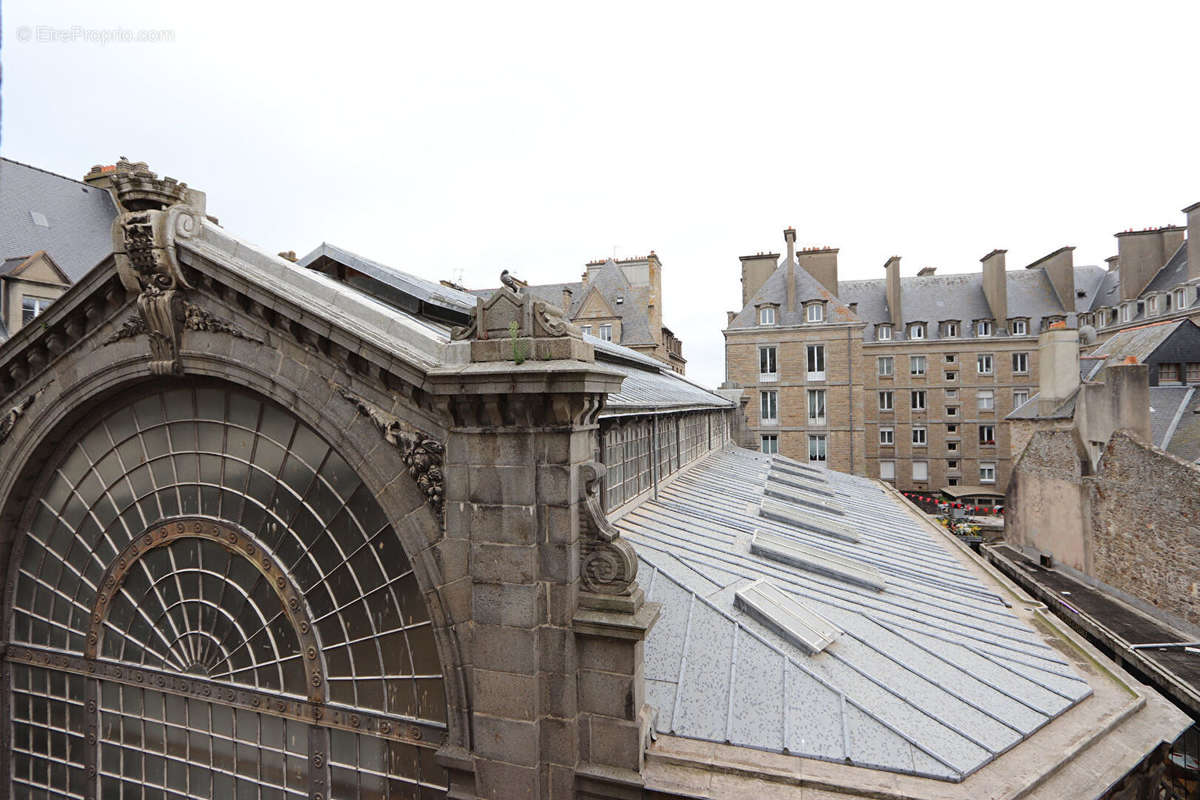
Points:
554	620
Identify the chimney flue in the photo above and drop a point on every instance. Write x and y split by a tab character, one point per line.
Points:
789	236
1193	240
893	293
995	287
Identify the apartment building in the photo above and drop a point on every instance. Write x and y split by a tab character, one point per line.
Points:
909	378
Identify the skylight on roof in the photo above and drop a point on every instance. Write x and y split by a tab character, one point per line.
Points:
797	518
39	219
787	616
813	498
781	548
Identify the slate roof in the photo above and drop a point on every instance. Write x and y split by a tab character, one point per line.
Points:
932	676
1138	342
1168	404
1173	273
774	291
1182	437
78	217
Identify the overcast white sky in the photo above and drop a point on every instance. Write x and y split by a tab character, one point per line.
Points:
454	140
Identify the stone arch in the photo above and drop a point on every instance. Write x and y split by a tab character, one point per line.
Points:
65	399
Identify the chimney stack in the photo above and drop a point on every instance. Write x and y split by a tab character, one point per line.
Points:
1141	254
893	293
1114	263
1193	240
1059	267
566	300
1058	367
755	271
821	263
925	272
789	236
995	287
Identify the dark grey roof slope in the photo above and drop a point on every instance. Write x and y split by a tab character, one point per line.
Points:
1183	439
1167	407
1108	291
1087	282
68	219
774	290
1173	273
932	676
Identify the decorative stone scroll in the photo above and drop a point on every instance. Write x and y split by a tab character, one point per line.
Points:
422	454
195	318
155	213
608	564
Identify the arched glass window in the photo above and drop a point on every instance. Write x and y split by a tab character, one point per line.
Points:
208	602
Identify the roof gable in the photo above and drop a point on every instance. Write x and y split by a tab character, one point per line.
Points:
39	267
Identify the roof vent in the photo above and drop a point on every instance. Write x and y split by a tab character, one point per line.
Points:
798	482
798	494
39	219
796	518
789	618
782	548
620	300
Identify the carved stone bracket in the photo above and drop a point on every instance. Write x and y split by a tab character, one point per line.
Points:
608	563
422	454
9	420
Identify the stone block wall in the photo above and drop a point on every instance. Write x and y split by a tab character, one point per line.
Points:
1144	522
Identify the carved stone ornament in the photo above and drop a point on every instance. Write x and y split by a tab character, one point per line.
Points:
195	318
608	564
9	420
155	213
422	454
533	318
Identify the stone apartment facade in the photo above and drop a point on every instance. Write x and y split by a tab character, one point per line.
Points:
919	372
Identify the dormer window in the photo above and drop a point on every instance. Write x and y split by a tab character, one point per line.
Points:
815	312
1151	305
950	330
1181	299
1127	312
983	327
883	333
1020	327
916	330
766	315
620	300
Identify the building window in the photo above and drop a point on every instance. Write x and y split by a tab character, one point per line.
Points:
815	312
918	400
884	365
1127	312
916	331
1020	362
816	362
816	406
766	316
952	394
916	365
951	330
31	307
952	446
1020	327
952	464
887	437
769	407
1168	373
951	411
986	399
770	443
983	327
885	401
987	434
586	329
983	363
951	429
1181	299
987	472
920	470
918	436
768	366
816	447
606	332
1193	372
1020	397
887	470
951	376
951	358
883	333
